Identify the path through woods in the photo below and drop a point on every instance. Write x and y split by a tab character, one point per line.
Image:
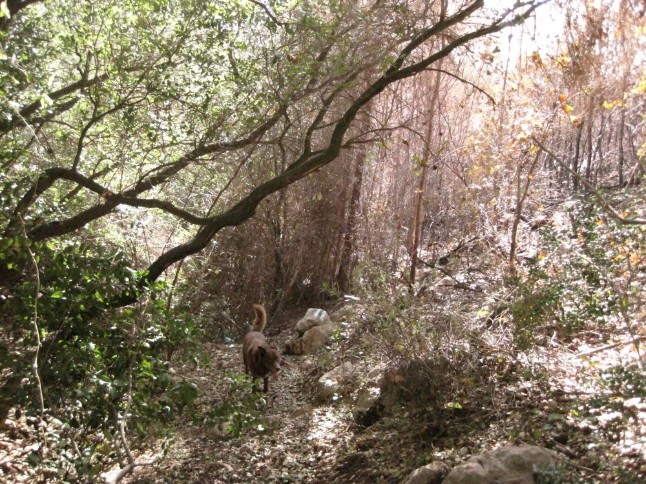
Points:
305	441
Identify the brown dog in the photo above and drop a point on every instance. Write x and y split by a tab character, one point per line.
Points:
261	360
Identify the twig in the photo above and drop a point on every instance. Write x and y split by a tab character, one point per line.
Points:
569	453
268	12
613	345
562	448
113	477
479	89
34	365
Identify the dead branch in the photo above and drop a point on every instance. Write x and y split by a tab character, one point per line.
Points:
601	349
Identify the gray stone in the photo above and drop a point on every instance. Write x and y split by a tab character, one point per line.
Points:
509	465
335	382
379	395
432	473
313	317
311	341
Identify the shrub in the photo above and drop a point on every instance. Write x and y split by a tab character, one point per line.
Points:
98	367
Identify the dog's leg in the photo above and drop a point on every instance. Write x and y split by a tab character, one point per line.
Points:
265	386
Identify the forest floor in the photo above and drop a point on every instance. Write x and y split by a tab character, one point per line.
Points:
572	399
583	400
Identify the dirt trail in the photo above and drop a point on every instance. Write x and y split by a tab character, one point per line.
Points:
300	441
551	397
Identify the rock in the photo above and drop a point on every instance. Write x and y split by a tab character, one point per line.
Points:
513	465
311	341
470	473
316	337
342	314
432	473
308	364
313	317
273	420
294	347
379	395
367	409
335	382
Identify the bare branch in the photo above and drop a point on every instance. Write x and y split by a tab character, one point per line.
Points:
268	12
462	79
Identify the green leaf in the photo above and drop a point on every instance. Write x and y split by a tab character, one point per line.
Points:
5	243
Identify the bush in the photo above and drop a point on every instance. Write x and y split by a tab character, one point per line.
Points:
97	366
241	409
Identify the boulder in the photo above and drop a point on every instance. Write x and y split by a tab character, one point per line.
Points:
378	396
432	473
311	341
512	464
367	409
335	382
313	317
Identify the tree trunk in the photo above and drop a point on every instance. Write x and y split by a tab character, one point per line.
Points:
344	274
622	158
575	159
521	195
418	218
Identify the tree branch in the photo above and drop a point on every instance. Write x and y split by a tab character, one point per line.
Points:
461	79
268	12
309	162
14	7
129	197
23	115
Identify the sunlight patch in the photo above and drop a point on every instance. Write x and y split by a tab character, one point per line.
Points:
326	425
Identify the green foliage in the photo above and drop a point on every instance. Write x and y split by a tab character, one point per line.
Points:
372	278
403	327
96	364
241	410
116	92
625	381
142	118
536	304
549	475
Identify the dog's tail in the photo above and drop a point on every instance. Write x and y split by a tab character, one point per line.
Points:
261	318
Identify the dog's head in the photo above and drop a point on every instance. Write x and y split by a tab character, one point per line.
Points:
268	361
